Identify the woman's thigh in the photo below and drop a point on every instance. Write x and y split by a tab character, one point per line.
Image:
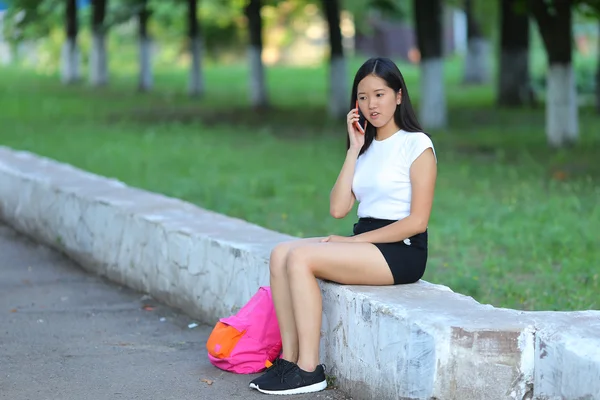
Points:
284	247
345	263
281	250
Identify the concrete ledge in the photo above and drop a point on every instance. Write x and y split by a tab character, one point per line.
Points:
420	341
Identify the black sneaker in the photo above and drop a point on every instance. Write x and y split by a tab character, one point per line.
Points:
278	368
295	381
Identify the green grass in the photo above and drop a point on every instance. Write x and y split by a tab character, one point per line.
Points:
514	224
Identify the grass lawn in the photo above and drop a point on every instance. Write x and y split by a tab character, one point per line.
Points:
514	224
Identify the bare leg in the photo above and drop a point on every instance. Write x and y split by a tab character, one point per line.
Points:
346	263
280	290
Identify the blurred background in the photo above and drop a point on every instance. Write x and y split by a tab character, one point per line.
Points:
239	106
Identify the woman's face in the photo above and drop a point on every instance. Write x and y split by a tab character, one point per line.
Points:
377	101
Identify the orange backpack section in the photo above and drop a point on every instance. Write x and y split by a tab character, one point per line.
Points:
222	340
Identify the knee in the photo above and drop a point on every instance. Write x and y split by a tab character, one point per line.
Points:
278	257
298	261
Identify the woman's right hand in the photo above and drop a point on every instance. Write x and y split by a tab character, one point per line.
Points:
357	139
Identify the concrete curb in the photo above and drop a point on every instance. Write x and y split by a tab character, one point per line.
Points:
419	341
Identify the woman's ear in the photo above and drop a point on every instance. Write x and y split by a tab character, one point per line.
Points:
399	97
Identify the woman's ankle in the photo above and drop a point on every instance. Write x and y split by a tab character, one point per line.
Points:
291	358
307	367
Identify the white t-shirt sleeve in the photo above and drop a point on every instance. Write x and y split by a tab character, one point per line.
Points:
419	142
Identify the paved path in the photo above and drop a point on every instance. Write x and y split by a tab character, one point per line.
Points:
66	334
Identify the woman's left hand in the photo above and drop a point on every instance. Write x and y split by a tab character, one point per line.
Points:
339	239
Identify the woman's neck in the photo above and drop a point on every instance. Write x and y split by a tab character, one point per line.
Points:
386	131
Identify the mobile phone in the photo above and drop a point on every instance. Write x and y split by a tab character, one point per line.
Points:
361	121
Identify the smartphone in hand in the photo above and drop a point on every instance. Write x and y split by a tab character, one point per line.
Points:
361	121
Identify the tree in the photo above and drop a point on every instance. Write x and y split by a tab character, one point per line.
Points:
428	21
175	19
70	56
338	87
590	12
258	91
35	19
196	85
98	56
597	89
145	46
554	19
514	87
477	70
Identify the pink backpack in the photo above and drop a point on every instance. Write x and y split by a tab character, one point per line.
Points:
249	341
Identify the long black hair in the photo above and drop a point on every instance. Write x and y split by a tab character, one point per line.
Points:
387	70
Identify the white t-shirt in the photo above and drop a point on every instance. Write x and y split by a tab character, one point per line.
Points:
381	180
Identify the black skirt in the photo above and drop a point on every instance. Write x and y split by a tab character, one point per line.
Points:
406	259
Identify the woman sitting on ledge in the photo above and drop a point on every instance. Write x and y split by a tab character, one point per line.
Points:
391	171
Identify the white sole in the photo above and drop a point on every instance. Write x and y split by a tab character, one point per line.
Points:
315	387
253	386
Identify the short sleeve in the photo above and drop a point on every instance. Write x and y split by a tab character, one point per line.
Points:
419	142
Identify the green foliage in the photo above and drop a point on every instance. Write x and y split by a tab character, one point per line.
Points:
31	19
485	12
589	8
583	8
169	19
223	27
390	10
121	11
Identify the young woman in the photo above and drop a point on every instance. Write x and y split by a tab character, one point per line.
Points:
391	171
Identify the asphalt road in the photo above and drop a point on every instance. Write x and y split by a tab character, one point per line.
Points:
66	334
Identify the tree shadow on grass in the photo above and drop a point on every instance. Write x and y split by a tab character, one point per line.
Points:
517	136
482	135
285	123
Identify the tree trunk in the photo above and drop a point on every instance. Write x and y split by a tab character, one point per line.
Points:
477	68
70	52
514	88
196	84
562	124
145	44
338	90
428	21
259	98
598	73
98	56
5	48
